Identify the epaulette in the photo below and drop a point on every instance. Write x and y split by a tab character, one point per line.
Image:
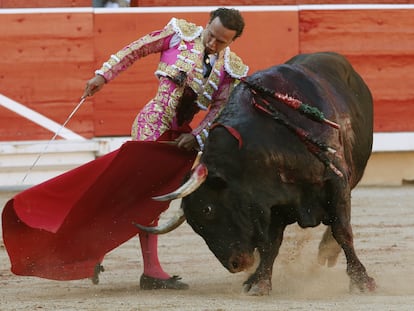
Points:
234	65
186	30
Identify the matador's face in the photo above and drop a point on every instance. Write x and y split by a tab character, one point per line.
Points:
217	37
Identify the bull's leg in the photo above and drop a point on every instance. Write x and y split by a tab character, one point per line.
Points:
355	269
329	249
342	232
260	282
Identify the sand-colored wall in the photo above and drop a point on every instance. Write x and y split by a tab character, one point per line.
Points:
389	168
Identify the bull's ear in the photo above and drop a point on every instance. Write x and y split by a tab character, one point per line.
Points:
216	182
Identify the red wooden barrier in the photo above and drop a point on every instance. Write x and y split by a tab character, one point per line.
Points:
46	58
143	3
44	3
162	3
380	45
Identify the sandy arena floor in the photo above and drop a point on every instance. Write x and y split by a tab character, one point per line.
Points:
383	223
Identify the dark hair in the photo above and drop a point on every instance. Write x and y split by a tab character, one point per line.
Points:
230	18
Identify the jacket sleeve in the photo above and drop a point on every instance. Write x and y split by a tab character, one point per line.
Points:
151	43
216	106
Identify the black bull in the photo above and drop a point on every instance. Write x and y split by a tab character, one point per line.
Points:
263	174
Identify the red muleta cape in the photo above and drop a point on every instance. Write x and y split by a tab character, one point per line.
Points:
62	228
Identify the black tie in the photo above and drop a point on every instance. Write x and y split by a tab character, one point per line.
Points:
206	61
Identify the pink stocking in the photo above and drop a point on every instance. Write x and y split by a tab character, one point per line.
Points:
149	248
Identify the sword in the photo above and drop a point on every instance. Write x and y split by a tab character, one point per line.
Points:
83	98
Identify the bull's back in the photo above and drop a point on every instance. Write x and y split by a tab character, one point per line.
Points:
337	71
354	105
323	80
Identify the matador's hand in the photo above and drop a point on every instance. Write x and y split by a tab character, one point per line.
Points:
187	141
93	85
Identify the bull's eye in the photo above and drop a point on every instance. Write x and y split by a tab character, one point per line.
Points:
208	211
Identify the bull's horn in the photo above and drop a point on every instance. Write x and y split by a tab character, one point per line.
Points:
172	224
197	178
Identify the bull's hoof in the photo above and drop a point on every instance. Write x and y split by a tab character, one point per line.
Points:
261	288
367	284
98	269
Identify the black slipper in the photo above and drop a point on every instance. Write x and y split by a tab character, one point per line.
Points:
147	282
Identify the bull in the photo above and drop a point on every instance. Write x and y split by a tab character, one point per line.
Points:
289	147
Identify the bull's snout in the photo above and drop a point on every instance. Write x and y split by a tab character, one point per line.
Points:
240	262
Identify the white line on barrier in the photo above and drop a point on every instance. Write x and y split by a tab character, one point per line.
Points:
38	118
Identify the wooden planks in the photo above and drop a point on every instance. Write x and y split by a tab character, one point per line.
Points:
44	3
163	3
380	45
143	3
44	60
